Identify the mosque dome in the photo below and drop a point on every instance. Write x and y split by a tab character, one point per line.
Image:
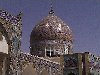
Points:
52	32
51	28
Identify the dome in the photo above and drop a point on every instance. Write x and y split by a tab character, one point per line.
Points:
50	34
51	28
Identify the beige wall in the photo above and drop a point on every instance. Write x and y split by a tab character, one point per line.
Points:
30	70
3	45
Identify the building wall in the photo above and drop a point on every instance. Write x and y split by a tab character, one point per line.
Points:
3	64
30	70
3	45
77	64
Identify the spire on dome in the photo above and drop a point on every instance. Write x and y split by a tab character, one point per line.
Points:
19	16
51	7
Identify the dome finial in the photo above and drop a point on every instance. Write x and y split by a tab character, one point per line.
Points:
51	7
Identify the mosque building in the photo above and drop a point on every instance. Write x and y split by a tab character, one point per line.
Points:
51	49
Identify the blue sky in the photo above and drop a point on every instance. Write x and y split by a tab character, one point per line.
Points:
82	16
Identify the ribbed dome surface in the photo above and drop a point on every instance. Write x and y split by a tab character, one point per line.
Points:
51	28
